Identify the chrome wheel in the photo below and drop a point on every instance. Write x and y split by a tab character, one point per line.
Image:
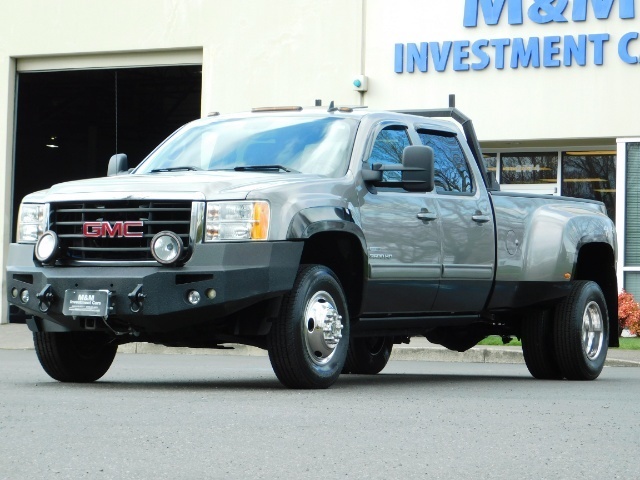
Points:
322	327
592	331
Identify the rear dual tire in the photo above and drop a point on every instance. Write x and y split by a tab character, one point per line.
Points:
538	345
570	341
368	356
581	332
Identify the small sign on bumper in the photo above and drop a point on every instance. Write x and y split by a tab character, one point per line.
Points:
86	303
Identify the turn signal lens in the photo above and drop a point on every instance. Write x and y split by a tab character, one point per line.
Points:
260	230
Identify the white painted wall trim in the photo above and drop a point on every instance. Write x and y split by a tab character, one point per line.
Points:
7	105
191	56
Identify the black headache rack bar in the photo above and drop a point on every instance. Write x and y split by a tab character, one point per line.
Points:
469	132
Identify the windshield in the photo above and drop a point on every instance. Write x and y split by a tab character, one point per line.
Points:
277	144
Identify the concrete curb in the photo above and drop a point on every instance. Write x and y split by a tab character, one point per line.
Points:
18	337
401	353
235	349
440	354
479	355
615	362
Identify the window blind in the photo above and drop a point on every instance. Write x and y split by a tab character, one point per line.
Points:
632	201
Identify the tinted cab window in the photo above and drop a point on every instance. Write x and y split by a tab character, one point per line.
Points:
388	148
451	170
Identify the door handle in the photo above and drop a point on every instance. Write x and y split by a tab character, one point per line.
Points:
427	216
481	218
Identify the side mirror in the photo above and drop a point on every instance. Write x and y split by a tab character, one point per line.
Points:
118	164
418	172
372	175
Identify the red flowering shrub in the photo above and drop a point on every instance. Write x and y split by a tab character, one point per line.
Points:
628	312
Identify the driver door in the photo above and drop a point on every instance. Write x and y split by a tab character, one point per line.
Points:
403	233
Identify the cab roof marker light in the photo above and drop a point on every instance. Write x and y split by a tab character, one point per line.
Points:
276	109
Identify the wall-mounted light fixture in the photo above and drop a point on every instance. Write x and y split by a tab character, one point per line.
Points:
52	142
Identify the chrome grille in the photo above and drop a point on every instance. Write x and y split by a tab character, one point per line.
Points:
67	220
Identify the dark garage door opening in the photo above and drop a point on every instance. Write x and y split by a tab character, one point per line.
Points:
70	122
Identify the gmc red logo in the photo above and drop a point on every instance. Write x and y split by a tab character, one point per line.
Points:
107	229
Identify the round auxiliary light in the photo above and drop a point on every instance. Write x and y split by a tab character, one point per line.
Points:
24	296
47	247
193	297
211	293
166	248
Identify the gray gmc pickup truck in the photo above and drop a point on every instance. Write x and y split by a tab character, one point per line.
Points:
325	236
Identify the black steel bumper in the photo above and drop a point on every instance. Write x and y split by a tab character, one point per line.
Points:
153	297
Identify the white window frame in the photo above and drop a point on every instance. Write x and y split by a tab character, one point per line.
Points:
621	206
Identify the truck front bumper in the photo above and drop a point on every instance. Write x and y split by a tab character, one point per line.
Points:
227	277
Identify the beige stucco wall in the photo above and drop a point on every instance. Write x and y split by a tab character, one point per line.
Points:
255	51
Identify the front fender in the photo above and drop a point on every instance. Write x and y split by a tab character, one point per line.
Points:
312	220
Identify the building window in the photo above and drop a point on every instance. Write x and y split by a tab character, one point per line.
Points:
583	174
491	162
528	168
632	210
590	175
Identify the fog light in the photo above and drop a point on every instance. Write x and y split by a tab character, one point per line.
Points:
14	292
47	247
211	294
166	248
193	297
24	296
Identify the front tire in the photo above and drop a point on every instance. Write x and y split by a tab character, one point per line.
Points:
309	340
581	332
74	356
368	356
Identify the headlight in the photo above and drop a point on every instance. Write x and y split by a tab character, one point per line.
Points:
32	222
228	221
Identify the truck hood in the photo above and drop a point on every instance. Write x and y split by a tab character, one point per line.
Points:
217	185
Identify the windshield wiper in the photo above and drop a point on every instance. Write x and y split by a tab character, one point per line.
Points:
276	168
176	169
